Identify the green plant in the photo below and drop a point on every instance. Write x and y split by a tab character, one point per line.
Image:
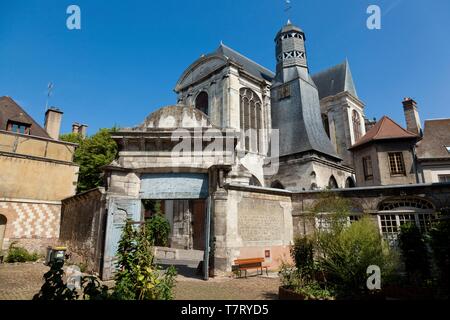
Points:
92	153
93	289
302	253
315	291
346	252
414	253
138	277
158	229
19	254
440	244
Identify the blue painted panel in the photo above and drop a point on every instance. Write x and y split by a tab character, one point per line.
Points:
174	186
119	211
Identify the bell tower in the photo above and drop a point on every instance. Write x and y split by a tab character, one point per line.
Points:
290	53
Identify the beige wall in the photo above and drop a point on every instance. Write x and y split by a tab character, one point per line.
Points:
36	168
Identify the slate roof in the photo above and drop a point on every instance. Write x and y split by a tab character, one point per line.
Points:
335	80
250	66
10	110
385	129
436	138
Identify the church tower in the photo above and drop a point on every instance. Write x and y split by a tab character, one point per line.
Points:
308	159
290	53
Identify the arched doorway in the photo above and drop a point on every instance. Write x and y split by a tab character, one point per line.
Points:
2	229
201	102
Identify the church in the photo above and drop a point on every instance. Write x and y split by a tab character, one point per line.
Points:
244	153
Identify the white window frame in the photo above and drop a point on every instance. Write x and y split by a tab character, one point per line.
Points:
419	221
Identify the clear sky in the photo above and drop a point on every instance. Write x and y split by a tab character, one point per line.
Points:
126	59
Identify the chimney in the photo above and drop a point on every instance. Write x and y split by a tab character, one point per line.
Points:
53	118
75	127
83	130
412	116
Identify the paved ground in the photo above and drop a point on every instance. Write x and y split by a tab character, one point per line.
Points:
22	281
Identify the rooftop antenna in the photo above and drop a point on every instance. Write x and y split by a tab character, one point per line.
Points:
287	7
49	93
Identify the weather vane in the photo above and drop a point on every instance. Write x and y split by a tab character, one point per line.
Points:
287	7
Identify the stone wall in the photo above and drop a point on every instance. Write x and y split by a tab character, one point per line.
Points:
250	222
82	226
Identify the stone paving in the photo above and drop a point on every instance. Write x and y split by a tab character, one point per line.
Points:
22	281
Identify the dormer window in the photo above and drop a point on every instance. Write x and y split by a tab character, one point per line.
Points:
18	127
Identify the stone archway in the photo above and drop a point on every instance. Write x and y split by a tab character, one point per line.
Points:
3	221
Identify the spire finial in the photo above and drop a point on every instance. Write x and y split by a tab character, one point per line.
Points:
287	8
289	22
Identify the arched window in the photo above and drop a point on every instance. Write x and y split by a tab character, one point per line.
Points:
332	183
314	186
250	119
201	102
356	120
326	124
395	212
349	183
276	185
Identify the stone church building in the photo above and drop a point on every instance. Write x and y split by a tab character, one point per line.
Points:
241	157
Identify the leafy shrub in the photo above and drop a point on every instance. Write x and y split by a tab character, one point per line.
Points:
440	245
302	253
19	254
158	230
346	253
138	278
414	253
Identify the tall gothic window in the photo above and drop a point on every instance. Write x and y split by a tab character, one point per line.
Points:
356	119
201	102
250	119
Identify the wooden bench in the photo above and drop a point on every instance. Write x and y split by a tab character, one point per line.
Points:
246	264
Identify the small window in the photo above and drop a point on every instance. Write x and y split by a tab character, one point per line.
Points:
201	102
284	92
444	177
368	170
396	163
18	127
448	148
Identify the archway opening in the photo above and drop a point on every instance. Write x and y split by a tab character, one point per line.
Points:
201	102
277	185
3	221
349	183
332	183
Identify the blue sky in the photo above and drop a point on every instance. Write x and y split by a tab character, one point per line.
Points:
125	61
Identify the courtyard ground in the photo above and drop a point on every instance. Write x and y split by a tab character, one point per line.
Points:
22	281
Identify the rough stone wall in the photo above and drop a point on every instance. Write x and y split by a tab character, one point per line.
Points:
34	225
366	201
299	174
82	227
248	222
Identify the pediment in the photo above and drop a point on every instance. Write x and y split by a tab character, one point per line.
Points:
199	70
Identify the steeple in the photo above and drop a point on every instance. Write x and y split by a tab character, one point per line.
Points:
295	104
290	53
